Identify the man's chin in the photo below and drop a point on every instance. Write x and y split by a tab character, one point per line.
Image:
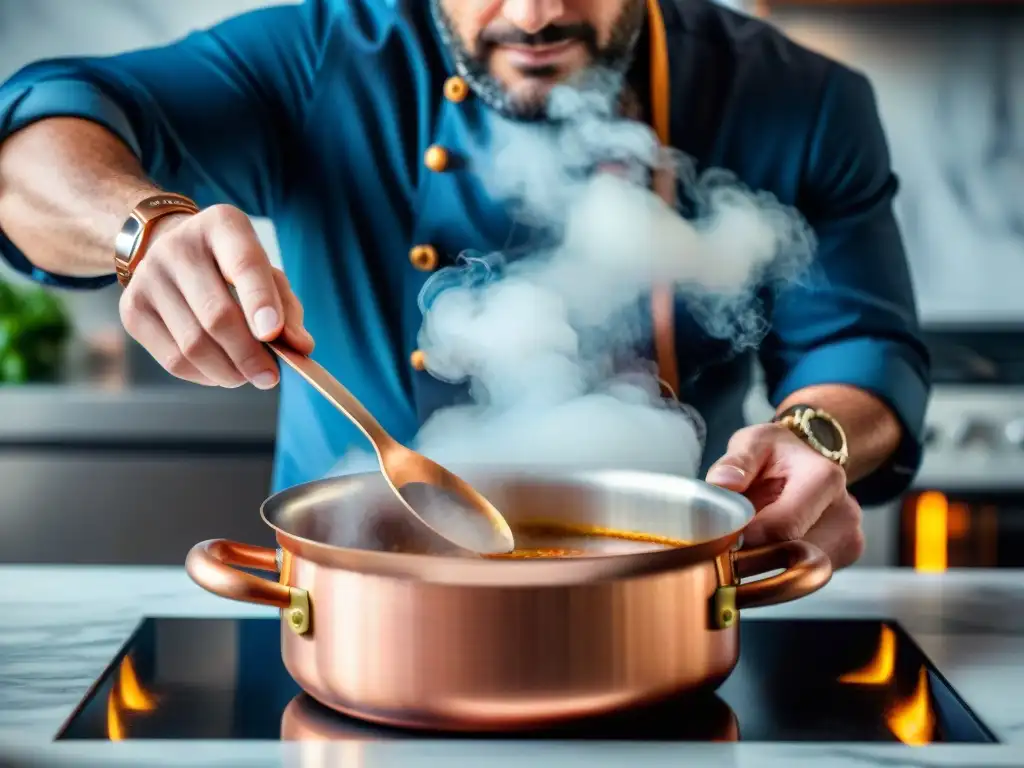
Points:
528	91
529	98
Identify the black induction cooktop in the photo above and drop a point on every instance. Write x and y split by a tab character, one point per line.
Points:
797	680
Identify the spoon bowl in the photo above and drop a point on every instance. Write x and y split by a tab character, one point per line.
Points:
442	501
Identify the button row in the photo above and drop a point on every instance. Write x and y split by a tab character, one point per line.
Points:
437	159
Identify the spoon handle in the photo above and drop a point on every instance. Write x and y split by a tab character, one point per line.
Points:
332	389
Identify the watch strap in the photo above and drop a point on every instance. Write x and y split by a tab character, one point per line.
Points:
132	240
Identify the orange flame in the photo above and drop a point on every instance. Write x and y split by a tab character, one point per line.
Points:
881	668
133	697
912	720
115	728
931	535
127	694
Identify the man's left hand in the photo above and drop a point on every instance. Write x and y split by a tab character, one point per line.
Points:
797	492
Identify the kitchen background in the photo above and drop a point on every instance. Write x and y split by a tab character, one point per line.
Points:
115	462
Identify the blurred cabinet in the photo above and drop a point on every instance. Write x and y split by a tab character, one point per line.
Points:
127	508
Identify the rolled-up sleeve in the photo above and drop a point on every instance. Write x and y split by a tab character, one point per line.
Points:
853	319
211	116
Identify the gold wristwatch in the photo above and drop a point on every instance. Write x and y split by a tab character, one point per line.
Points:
130	246
817	429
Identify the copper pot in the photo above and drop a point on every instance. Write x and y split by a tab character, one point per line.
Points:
443	640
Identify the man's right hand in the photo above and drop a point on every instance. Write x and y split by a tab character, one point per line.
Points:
179	307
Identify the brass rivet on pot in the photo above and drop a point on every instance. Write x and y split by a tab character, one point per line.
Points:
298	612
723	613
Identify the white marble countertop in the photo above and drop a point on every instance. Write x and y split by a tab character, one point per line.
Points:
62	625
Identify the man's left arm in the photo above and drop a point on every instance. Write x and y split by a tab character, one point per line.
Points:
847	340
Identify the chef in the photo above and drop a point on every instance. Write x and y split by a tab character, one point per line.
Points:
347	122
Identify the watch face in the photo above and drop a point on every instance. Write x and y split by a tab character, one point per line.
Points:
825	433
132	227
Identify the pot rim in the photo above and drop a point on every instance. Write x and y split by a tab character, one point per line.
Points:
484	572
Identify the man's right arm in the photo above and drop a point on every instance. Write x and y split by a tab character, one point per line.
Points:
212	117
65	187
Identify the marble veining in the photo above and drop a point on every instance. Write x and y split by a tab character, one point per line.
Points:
950	87
64	624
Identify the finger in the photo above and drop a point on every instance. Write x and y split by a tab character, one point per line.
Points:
294	332
838	532
748	452
195	343
205	291
143	325
811	487
245	265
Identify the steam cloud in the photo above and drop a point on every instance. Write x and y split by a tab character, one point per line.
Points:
548	339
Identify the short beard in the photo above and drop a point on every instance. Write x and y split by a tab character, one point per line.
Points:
616	56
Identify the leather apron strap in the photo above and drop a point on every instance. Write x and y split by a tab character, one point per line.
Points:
662	297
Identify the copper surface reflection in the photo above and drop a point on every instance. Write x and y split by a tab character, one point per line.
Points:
709	719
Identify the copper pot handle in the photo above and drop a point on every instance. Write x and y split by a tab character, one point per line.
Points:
807	569
213	565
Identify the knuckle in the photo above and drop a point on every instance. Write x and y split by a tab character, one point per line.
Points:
131	308
834	476
176	364
217	315
258	289
194	343
222	212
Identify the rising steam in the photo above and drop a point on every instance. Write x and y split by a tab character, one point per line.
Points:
550	341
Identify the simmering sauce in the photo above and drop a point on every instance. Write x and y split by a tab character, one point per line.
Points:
542	540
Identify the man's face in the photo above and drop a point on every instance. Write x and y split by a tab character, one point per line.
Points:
515	51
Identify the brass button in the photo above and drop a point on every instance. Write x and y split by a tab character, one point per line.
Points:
437	159
424	258
455	90
418	360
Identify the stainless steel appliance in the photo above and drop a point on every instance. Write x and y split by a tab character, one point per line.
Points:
967	505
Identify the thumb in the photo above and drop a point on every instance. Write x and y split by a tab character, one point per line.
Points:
747	454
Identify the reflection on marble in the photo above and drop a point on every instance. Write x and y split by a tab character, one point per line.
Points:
62	626
950	86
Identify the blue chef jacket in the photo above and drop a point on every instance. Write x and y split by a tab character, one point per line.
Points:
318	115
